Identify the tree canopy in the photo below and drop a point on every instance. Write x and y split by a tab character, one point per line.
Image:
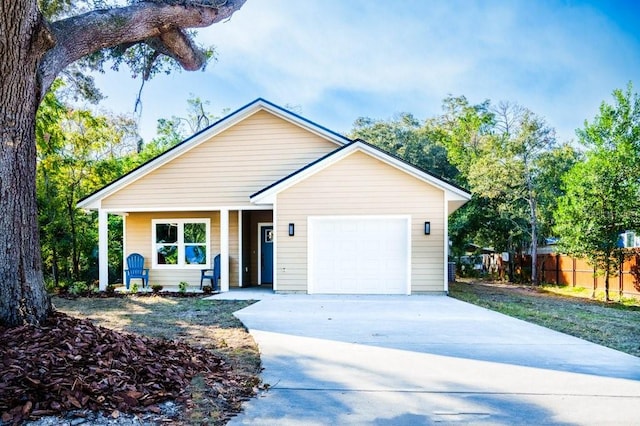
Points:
509	158
603	193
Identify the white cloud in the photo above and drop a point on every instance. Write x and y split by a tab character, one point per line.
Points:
347	58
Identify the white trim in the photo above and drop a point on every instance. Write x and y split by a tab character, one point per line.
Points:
180	243
274	217
224	250
268	195
260	225
310	254
240	254
160	209
311	236
124	247
446	247
103	249
409	254
93	201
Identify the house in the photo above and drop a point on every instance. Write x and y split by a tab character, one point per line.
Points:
285	202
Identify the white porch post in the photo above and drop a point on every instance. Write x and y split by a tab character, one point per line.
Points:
224	250
446	245
103	249
240	265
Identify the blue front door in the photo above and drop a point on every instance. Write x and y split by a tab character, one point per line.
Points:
266	254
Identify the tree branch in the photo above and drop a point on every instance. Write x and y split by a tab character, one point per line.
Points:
160	20
179	46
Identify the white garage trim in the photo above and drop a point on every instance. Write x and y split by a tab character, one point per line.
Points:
315	283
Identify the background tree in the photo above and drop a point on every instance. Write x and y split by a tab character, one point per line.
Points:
405	137
38	40
603	193
78	152
503	154
171	131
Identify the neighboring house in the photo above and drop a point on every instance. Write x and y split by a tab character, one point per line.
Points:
629	239
285	202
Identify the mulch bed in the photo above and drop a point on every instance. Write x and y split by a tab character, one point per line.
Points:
71	364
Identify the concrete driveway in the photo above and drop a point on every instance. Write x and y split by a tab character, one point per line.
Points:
419	360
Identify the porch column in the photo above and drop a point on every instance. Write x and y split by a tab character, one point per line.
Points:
240	248
446	246
103	249
224	250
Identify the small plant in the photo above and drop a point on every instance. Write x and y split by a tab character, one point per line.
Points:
134	288
50	285
182	287
156	288
110	290
206	289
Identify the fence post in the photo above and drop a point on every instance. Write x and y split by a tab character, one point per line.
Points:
621	281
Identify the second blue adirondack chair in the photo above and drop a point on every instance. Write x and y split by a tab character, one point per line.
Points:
212	274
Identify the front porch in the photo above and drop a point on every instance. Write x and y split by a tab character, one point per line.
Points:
243	238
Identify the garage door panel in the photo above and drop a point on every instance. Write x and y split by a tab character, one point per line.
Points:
359	255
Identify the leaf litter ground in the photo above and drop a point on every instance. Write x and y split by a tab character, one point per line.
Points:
71	365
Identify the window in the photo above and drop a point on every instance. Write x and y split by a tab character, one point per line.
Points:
181	243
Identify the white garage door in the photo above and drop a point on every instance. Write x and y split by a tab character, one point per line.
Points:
359	255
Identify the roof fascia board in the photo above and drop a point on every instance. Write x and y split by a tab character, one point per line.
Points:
165	209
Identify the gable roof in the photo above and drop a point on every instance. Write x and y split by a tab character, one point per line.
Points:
92	201
453	193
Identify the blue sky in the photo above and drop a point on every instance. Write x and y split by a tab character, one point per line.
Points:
337	60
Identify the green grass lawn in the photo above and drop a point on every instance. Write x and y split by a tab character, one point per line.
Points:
615	325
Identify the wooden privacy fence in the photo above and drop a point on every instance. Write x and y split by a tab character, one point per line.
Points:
566	270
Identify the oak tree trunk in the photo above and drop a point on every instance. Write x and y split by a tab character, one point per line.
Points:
23	298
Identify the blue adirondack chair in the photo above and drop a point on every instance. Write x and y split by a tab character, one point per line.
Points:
136	269
211	274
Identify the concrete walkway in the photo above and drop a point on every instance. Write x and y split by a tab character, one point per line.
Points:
419	360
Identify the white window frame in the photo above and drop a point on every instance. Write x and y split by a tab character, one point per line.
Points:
181	245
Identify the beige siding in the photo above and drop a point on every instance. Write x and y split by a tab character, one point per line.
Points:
227	169
362	185
138	240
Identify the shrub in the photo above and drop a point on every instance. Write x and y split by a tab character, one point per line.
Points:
156	288
206	289
78	288
134	288
50	286
182	287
